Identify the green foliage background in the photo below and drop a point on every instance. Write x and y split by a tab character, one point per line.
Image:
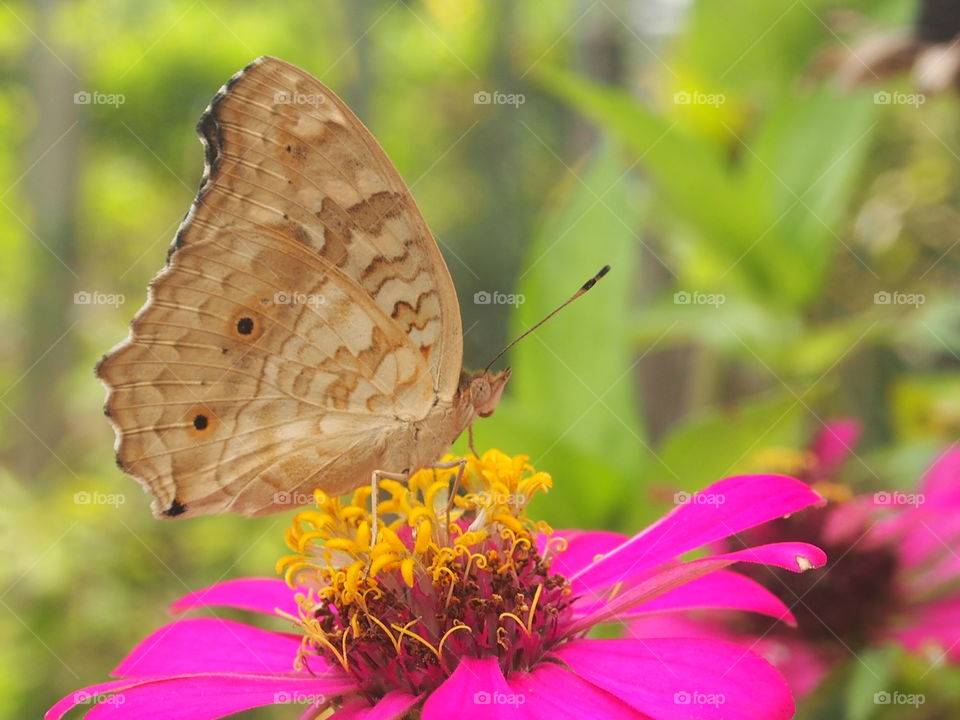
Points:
792	199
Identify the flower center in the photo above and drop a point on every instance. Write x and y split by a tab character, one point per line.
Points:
441	580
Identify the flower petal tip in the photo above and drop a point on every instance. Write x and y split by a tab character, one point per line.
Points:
812	562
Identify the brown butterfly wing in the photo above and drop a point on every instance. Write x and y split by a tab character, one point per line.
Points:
304	314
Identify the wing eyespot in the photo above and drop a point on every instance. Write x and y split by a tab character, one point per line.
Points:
246	326
202	422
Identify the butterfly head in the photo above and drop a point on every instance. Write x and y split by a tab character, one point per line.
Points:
483	389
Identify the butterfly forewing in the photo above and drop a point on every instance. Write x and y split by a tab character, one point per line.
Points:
305	311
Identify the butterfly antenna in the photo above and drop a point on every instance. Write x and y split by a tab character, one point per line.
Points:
583	288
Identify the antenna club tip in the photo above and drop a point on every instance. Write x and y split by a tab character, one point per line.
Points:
593	281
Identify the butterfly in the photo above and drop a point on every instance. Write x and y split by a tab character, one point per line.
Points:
305	333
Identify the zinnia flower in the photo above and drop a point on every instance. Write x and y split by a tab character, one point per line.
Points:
476	611
893	576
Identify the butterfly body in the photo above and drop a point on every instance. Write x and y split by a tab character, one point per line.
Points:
305	331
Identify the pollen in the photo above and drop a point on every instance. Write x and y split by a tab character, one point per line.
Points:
444	577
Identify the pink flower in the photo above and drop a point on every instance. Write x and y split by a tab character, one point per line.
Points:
893	576
484	617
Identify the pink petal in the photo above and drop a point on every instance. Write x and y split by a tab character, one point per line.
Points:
934	625
681	678
200	697
207	645
835	443
79	697
796	557
262	595
720	590
928	535
583	546
847	521
663	625
803	669
475	690
391	706
723	509
578	699
941	483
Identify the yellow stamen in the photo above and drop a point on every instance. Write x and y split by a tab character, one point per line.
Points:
406	570
448	633
422	542
381	561
533	607
418	638
526	630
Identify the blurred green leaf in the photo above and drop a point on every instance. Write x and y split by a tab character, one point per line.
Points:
720	443
871	675
768	218
688	171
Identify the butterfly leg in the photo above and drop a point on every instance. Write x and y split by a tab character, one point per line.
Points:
461	465
473	448
374	500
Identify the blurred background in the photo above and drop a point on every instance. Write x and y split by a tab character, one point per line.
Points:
781	218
